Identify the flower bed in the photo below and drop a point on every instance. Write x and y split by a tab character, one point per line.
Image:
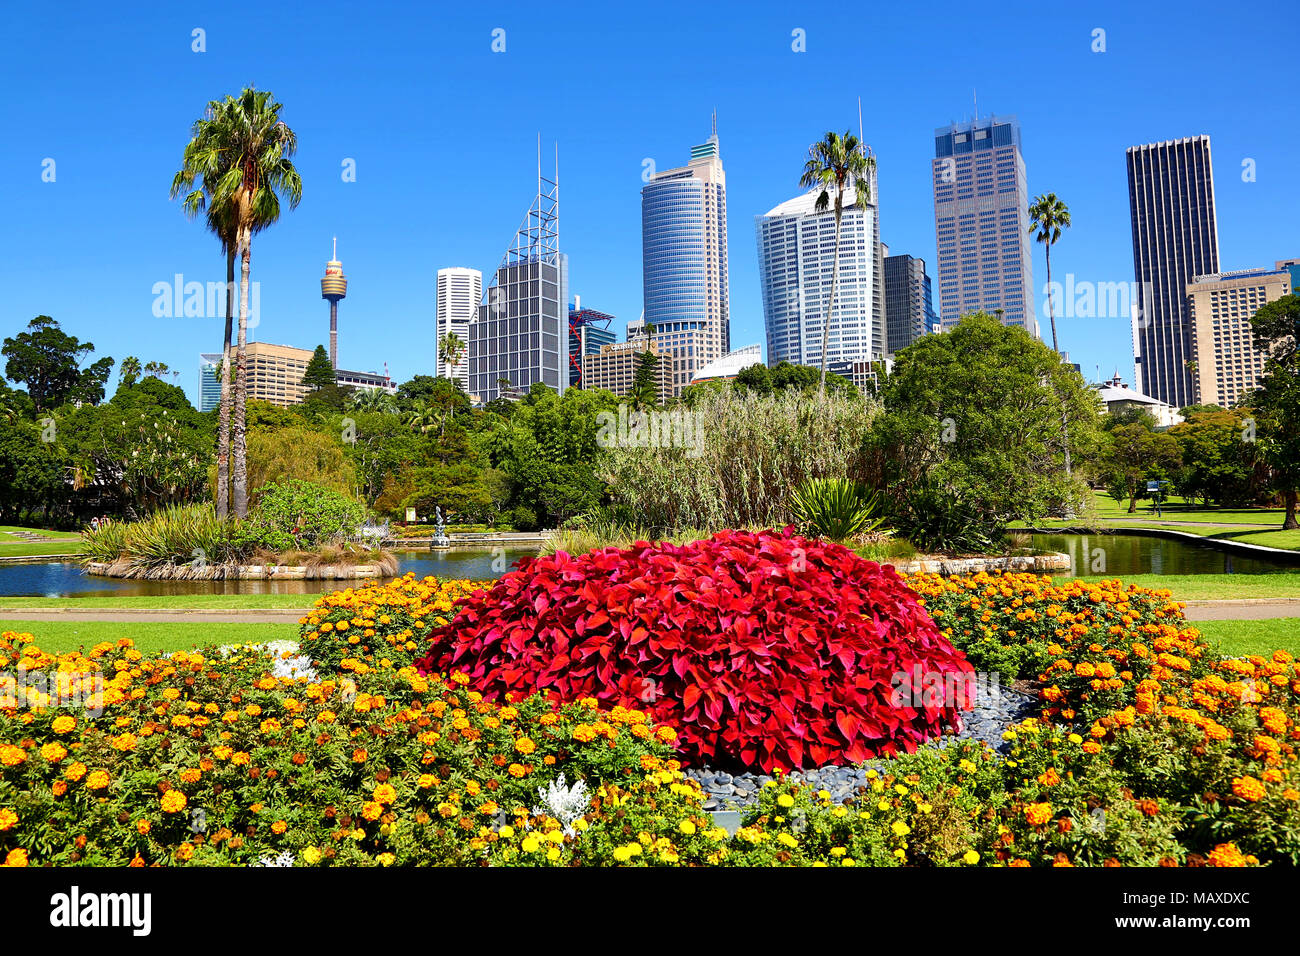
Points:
221	758
764	649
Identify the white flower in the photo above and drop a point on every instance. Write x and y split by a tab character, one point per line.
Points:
566	804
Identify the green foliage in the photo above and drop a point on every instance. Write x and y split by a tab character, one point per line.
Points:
1276	328
1134	455
938	520
302	453
1217	461
319	372
47	360
300	514
835	508
976	414
177	534
743	457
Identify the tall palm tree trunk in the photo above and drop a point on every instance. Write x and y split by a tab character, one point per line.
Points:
830	301
1051	314
223	431
239	471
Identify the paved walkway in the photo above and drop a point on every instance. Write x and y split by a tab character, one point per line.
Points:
145	616
1250	609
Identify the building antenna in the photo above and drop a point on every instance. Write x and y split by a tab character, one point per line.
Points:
715	122
975	97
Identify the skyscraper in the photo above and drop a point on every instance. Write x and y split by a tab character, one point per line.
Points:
907	301
209	383
520	336
459	292
684	259
981	222
796	247
1175	239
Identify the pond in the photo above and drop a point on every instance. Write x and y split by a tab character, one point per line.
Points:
66	579
1119	555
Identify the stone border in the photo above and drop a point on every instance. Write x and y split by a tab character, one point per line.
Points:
251	572
1049	561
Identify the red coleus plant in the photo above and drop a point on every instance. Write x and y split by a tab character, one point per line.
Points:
763	650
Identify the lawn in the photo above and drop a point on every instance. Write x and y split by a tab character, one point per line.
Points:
12	546
165	602
60	636
1244	638
1209	587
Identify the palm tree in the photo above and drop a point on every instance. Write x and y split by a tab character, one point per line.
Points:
221	223
1049	216
452	350
372	400
242	154
837	163
424	418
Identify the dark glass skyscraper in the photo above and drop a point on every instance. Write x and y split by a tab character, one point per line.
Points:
1175	239
908	304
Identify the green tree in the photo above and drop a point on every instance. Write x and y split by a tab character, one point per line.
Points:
645	380
975	413
1216	462
1276	329
451	350
48	361
838	164
242	152
128	373
1136	455
319	372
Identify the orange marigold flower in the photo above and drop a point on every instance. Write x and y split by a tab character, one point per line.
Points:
1248	788
1038	813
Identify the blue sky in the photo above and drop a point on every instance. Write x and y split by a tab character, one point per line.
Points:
443	133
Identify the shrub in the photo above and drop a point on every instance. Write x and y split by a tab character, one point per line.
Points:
299	514
835	508
748	452
177	534
763	649
939	521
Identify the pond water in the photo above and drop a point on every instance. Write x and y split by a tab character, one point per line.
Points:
66	579
1126	554
1110	554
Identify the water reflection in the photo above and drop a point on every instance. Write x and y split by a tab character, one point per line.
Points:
1127	554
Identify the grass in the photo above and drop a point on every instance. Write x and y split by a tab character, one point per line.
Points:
163	602
12	546
1212	587
58	637
1243	638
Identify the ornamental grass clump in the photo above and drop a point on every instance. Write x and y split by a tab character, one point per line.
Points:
765	650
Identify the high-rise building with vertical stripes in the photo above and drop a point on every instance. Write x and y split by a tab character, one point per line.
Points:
209	382
1175	239
796	255
981	222
684	261
458	294
520	337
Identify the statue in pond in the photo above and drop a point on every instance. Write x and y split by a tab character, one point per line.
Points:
439	526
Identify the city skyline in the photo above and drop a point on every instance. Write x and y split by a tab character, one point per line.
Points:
408	206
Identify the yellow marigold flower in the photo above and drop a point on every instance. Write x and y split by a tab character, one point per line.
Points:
311	856
1248	788
7	818
971	857
63	725
900	828
785	800
54	752
687	827
426	780
173	801
531	845
1038	813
